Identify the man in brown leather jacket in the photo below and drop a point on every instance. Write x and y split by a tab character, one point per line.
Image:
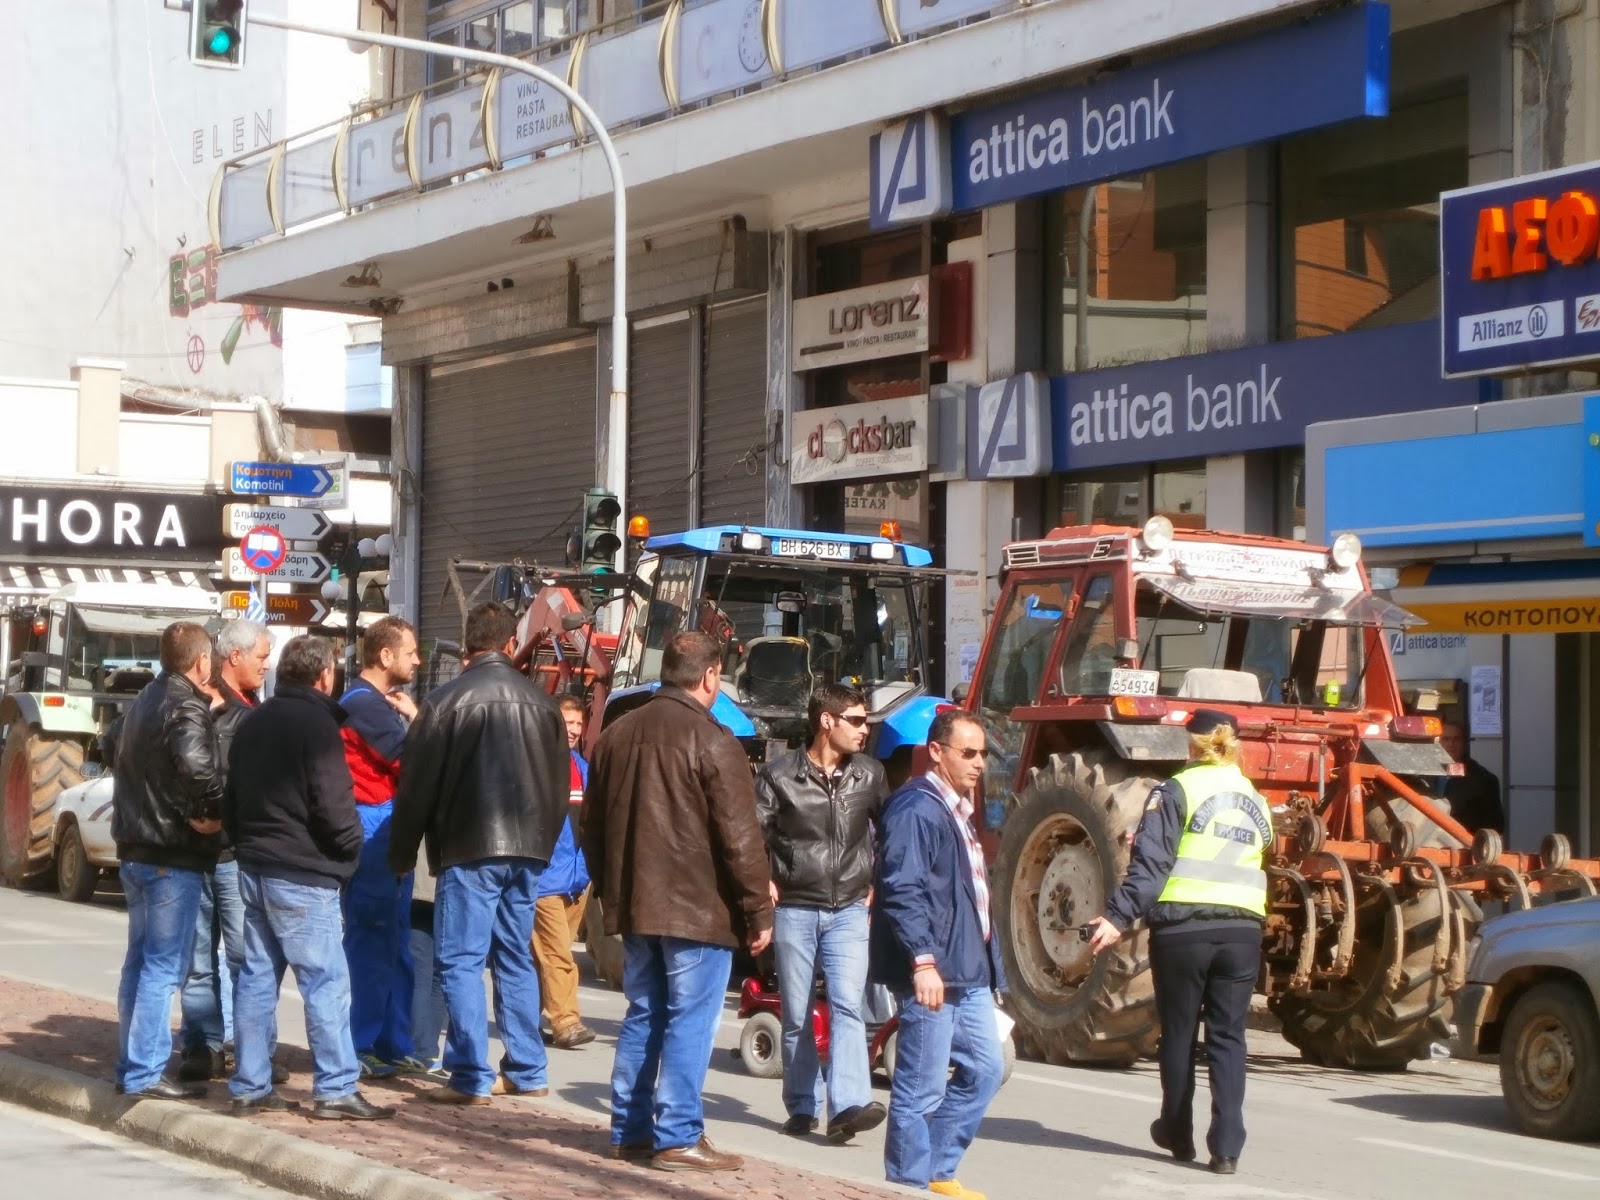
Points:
676	855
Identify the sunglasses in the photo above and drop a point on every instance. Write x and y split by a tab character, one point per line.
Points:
967	754
858	720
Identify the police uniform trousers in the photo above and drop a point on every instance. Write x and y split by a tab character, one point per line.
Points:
1208	974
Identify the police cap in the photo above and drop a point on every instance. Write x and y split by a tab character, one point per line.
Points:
1205	720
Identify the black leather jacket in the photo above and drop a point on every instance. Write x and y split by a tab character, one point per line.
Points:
819	830
236	706
485	773
167	773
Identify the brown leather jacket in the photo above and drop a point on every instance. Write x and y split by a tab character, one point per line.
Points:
669	827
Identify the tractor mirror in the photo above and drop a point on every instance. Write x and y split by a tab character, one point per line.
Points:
508	588
790	602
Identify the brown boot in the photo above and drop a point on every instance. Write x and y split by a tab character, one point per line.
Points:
572	1037
702	1156
448	1095
504	1087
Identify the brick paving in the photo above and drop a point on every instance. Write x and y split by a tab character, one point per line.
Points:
519	1149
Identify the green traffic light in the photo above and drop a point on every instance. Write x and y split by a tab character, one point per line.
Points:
221	42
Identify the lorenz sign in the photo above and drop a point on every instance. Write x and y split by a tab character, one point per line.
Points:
877	321
49	522
890	437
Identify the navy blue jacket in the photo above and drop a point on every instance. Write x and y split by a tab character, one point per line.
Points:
923	899
567	874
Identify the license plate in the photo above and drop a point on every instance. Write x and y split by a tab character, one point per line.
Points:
801	548
1127	682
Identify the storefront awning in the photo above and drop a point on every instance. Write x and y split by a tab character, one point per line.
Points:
1282	602
1532	596
34	581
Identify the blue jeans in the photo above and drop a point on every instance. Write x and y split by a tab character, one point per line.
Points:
208	990
377	943
804	938
162	902
675	990
427	997
934	1112
299	926
483	914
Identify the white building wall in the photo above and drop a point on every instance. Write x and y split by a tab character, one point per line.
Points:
43	420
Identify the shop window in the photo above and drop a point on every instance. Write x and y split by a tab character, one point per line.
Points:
1132	495
1360	217
503	28
1126	269
1292	494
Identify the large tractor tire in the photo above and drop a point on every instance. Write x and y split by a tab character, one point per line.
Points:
1370	1021
35	768
605	950
1063	851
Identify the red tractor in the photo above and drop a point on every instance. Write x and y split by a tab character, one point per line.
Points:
1104	640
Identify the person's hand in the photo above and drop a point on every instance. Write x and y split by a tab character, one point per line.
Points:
772	890
928	987
760	941
403	704
1105	935
205	827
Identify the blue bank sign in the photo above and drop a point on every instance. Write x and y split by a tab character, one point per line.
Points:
1259	398
1303	76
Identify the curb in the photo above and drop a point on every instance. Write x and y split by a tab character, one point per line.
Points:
268	1156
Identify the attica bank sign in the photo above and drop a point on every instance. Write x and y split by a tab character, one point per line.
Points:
1258	398
1314	73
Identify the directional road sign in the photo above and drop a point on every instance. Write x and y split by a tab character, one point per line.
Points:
327	481
296	524
261	549
281	609
296	567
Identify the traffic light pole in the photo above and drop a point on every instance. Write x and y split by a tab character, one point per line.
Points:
613	475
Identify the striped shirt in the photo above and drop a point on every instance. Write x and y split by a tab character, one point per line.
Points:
961	809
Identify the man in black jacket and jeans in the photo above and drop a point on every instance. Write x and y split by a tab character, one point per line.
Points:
291	816
164	818
485	779
817	805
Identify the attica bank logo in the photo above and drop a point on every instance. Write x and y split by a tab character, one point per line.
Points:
911	171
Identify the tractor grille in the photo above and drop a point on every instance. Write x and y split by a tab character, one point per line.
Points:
1025	554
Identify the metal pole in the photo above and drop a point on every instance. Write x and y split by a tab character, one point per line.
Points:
615	474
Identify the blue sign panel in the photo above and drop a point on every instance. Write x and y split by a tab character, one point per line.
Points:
279	479
1257	398
1520	277
1303	76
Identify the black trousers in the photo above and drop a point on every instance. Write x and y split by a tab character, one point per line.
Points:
1196	976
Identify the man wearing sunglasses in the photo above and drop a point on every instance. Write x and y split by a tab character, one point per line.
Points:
932	944
816	807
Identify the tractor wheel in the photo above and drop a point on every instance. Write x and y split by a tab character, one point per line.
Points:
1370	1021
35	768
605	950
1063	851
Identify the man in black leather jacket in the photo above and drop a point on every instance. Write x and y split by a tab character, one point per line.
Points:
485	779
816	807
165	817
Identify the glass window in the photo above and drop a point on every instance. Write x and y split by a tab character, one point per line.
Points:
1126	272
1021	644
1132	495
1091	651
517	33
444	68
479	33
1360	217
555	20
1178	492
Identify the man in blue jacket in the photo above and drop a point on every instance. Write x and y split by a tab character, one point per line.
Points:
932	944
563	896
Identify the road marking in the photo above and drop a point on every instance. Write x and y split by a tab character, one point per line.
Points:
1526	1167
1141	1097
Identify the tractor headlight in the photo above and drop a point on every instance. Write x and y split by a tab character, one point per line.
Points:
1345	552
1157	534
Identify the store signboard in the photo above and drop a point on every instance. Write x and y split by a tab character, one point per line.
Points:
1008	428
48	522
1520	274
853	441
1257	398
877	321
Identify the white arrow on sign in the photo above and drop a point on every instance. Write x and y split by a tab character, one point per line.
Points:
297	567
295	524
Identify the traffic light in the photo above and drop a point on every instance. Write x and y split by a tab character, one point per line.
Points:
216	33
600	542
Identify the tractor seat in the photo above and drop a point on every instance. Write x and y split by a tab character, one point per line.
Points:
1212	683
776	672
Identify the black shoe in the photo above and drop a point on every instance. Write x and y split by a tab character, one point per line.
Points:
202	1064
166	1089
353	1107
855	1120
280	1073
1182	1151
800	1125
268	1102
1224	1166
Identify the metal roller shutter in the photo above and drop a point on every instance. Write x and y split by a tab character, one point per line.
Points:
733	482
507	453
659	438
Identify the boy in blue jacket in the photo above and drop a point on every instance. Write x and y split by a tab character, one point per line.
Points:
558	916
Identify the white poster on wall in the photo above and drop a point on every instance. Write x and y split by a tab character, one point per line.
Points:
1484	708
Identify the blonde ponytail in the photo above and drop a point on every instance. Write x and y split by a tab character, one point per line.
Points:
1218	747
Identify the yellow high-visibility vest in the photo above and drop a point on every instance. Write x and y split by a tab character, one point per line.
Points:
1227	827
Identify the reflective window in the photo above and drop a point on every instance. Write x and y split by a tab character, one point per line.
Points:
1091	651
1022	638
1131	495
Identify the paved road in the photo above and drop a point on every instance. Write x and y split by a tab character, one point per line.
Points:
44	1156
1440	1128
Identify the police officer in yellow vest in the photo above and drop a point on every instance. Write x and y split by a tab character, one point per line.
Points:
1196	875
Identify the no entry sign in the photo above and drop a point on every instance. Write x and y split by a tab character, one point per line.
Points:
262	549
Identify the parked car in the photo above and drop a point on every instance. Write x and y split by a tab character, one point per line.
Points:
1533	997
83	844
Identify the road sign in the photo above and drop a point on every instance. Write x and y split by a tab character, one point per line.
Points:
288	609
261	549
296	567
296	524
327	482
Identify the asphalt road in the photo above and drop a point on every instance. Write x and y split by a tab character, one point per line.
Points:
1439	1129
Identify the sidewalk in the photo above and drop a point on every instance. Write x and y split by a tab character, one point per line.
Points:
519	1149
